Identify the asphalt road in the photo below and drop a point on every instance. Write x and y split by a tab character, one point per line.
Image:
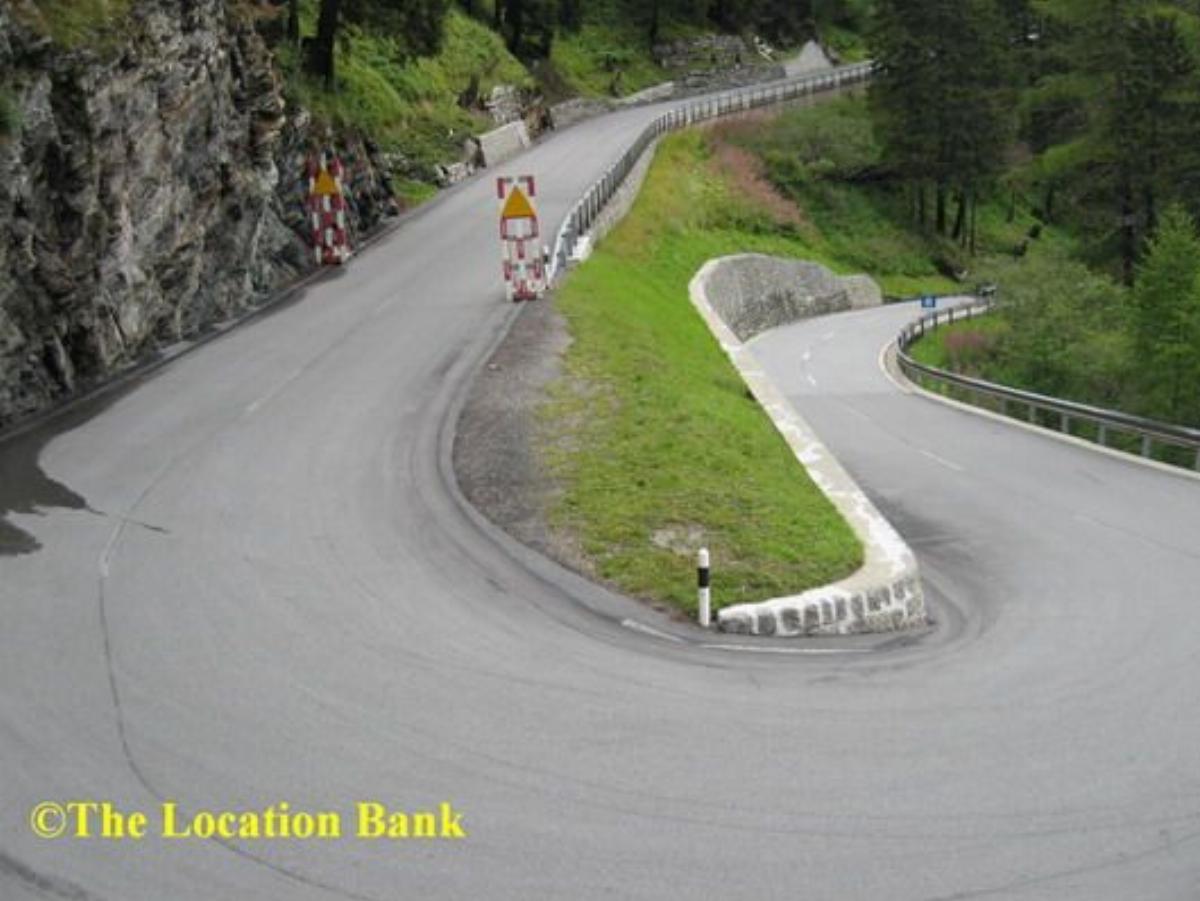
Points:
248	579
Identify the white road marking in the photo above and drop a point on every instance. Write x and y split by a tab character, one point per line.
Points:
807	356
943	461
649	630
883	367
811	380
253	407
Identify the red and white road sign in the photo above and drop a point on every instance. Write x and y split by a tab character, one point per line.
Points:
327	210
523	261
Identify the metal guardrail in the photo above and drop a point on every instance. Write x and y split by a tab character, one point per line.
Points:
1047	412
587	209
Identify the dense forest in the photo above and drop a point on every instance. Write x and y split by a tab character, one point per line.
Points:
1089	112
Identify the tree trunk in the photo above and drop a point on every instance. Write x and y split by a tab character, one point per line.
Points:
941	208
960	219
1151	203
1128	231
293	22
320	59
497	14
514	18
974	222
922	215
1012	206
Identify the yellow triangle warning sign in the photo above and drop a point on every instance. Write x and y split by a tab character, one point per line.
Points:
517	206
326	186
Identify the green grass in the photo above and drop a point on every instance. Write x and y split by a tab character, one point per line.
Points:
652	432
76	23
408	106
604	59
411	192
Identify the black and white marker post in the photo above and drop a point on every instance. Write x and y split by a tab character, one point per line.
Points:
703	580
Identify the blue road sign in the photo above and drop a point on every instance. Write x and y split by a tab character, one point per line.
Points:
928	302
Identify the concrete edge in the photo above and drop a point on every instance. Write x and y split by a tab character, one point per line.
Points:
891	369
885	594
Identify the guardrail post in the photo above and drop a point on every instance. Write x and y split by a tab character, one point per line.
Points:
1147	445
703	583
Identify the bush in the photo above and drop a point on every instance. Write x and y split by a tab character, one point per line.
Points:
1067	331
830	142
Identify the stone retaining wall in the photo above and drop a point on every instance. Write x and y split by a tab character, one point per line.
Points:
503	143
885	594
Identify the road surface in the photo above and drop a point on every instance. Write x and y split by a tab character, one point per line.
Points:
247	579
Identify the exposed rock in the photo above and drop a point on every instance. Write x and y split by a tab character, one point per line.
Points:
149	192
753	292
578	109
505	104
715	62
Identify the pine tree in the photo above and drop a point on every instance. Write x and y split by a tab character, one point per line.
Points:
943	100
1166	314
1126	81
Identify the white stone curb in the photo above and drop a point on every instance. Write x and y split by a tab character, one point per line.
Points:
885	594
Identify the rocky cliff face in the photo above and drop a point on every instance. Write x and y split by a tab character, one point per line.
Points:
147	192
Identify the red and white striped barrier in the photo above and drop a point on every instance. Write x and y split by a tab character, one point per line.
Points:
327	210
524	260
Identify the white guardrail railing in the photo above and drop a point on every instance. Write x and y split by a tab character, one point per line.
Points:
583	214
1093	424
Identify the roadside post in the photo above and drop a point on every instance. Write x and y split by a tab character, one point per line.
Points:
703	580
523	259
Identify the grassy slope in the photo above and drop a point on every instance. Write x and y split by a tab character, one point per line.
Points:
823	159
588	61
410	107
653	431
75	23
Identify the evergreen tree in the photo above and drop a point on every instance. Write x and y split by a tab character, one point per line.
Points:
943	101
1166	314
1125	83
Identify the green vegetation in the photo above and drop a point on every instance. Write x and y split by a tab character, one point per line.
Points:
1093	109
941	104
652	434
848	213
77	23
842	26
409	105
1067	331
603	59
